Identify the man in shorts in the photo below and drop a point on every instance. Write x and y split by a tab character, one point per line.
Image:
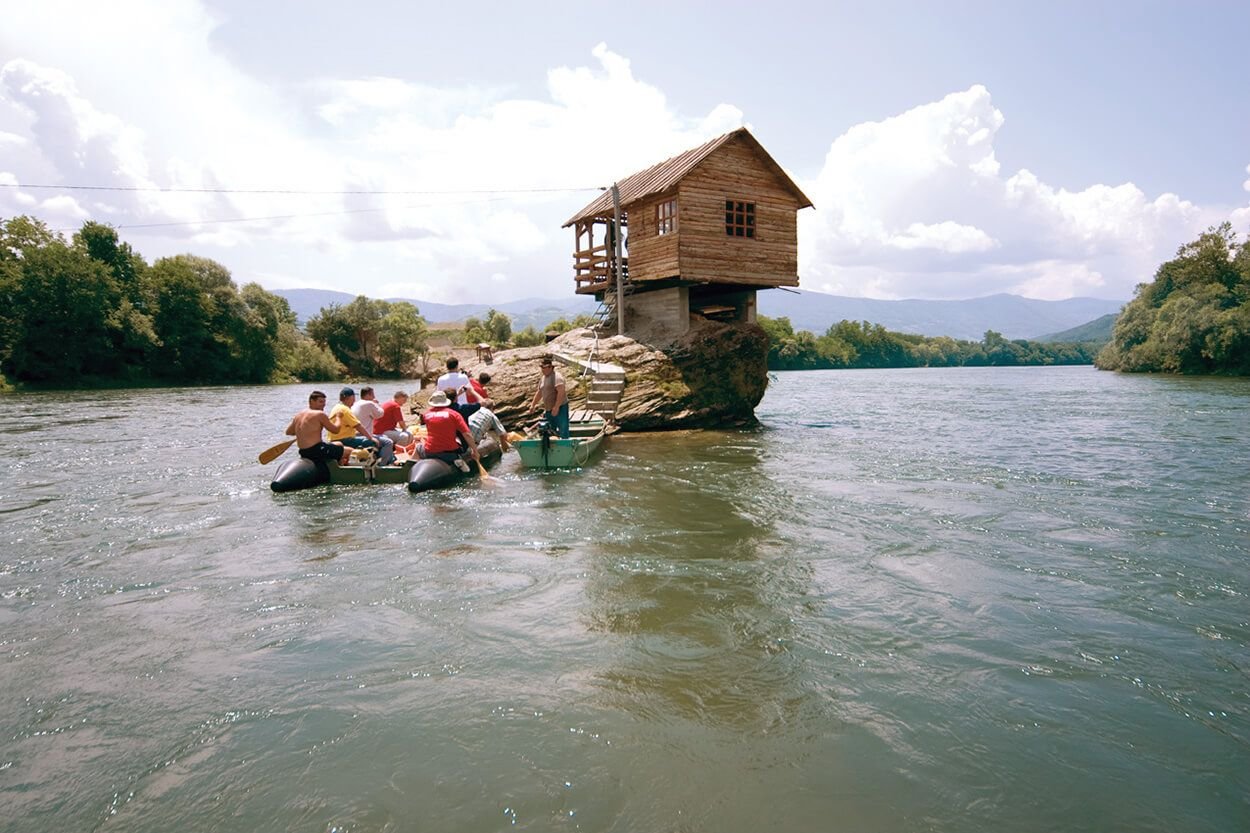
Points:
306	428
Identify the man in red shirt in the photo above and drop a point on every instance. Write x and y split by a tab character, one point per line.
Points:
443	430
479	386
391	424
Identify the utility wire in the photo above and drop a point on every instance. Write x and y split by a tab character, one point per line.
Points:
283	216
294	191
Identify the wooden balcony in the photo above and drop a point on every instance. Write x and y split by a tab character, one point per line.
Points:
592	270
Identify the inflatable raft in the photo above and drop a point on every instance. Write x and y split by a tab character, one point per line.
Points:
420	475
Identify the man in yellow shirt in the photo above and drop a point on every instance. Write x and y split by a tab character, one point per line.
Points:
351	432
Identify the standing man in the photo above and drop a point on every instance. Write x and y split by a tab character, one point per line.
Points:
367	410
456	379
351	432
391	424
306	428
554	398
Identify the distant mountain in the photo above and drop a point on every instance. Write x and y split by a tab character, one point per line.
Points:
1010	315
1097	330
535	312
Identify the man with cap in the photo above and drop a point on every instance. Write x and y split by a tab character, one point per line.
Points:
443	429
351	432
554	398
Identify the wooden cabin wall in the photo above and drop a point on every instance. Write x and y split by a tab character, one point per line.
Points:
651	256
734	172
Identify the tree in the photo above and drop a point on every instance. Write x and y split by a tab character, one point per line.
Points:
1194	317
371	336
529	337
402	338
65	306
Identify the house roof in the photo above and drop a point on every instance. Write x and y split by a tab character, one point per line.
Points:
665	175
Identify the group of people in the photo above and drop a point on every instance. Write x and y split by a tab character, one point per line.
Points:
459	417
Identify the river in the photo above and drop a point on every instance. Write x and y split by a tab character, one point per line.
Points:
973	599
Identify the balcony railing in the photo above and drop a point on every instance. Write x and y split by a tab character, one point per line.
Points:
592	269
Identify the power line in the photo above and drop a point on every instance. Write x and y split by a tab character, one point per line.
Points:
295	191
282	216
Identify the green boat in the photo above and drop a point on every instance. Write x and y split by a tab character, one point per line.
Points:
547	451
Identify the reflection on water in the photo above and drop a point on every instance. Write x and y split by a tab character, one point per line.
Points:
695	576
947	600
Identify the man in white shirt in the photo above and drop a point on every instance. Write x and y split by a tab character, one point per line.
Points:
367	410
456	379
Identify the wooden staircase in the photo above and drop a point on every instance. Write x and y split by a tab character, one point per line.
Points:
607	386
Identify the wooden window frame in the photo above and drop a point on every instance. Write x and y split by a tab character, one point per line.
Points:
740	219
666	217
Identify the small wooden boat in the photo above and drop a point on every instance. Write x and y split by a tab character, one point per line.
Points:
548	451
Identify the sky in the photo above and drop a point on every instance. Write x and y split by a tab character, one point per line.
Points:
434	150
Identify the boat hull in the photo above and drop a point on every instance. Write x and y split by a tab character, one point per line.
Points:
295	475
555	453
434	474
420	475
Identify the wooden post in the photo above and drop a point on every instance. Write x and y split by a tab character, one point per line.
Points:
620	278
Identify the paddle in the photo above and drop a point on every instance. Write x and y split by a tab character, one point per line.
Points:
270	454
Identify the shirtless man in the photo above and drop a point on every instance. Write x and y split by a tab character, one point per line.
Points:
306	428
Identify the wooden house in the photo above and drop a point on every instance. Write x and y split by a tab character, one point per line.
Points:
704	231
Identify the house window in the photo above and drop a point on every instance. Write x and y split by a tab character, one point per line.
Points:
739	219
666	217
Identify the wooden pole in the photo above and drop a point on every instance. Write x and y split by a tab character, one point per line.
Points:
620	277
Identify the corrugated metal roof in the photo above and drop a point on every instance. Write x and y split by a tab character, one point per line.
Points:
665	175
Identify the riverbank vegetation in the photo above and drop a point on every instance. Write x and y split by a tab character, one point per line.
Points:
860	344
1194	317
90	311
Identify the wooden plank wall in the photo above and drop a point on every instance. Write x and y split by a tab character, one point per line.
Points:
734	172
651	256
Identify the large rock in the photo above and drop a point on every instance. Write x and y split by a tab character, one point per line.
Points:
712	377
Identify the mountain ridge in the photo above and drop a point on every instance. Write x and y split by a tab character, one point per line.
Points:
1011	315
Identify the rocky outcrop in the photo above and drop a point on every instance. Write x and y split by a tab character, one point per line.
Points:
712	377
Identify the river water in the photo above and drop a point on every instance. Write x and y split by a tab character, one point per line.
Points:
939	600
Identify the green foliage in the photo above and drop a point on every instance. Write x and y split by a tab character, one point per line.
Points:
563	325
860	344
402	337
529	337
93	312
371	337
495	330
1194	317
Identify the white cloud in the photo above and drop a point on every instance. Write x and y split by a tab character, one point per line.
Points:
916	206
943	237
913	205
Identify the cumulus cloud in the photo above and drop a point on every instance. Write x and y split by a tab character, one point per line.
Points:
465	168
917	206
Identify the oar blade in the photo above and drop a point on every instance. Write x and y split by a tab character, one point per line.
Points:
270	454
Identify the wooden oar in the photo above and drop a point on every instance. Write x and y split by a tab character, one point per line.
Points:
270	454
